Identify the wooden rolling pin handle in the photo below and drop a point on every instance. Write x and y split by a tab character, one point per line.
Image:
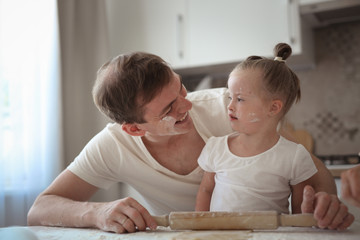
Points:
297	220
162	220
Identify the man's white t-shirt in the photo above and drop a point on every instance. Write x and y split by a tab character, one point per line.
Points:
114	156
256	183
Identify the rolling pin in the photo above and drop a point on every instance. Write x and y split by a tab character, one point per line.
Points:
233	220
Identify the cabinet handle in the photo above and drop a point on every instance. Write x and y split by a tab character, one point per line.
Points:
180	35
291	14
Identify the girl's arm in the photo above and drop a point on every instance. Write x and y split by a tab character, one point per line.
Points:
297	197
205	191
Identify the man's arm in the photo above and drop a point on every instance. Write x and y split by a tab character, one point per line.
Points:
322	181
319	196
64	204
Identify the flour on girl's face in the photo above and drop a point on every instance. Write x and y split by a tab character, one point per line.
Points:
253	118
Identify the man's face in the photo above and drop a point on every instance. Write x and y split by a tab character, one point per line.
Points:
167	114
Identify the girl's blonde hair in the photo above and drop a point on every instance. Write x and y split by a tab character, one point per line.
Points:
279	80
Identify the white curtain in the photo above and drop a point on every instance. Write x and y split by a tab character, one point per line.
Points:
84	48
30	106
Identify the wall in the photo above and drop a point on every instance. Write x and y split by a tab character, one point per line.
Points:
330	104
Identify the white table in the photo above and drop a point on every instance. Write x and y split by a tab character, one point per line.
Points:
288	233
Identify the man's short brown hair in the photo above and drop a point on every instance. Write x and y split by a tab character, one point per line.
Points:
127	82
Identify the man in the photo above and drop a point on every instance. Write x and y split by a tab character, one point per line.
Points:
153	145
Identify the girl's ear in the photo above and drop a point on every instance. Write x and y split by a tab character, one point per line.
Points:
276	107
132	129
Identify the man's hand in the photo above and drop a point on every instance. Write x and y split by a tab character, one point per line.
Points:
327	208
65	204
124	215
350	186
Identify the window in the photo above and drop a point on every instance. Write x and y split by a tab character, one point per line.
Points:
30	126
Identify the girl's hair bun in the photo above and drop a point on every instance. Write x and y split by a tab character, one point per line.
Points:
282	50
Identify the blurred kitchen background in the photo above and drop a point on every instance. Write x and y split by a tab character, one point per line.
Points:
51	50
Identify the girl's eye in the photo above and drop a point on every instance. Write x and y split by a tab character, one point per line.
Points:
230	98
240	99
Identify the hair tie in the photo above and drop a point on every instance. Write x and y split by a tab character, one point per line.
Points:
279	59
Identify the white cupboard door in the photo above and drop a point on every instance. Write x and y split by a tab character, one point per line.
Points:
222	31
155	26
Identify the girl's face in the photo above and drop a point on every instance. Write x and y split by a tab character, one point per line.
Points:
249	101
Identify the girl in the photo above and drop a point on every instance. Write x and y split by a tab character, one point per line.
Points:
255	168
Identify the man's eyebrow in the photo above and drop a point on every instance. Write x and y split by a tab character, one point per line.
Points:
172	102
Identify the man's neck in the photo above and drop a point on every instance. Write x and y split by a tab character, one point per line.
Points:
178	153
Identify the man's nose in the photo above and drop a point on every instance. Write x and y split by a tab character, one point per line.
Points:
183	104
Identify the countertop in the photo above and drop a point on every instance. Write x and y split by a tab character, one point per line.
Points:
291	233
336	170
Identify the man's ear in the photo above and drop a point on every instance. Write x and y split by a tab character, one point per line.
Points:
132	129
276	107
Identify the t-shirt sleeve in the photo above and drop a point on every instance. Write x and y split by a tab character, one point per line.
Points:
303	166
209	112
93	164
204	159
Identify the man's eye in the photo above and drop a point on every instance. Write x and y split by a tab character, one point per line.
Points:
167	112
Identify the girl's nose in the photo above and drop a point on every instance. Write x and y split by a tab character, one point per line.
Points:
230	106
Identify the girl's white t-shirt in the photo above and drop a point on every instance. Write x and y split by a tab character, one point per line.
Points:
256	183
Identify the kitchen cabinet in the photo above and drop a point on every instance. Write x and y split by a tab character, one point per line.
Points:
193	33
155	26
226	31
